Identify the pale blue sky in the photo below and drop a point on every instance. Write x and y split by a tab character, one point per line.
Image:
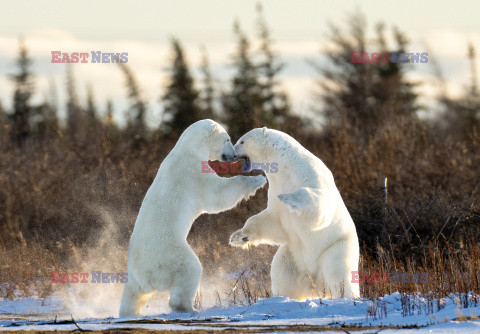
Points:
143	28
211	20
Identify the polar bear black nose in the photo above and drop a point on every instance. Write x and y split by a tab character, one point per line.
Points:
226	157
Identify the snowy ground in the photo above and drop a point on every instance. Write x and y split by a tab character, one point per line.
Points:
456	313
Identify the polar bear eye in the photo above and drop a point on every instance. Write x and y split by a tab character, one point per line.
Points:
242	142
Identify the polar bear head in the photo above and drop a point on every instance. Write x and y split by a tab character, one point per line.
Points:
252	146
208	140
264	145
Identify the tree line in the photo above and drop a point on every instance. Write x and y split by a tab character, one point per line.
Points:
364	96
253	99
370	129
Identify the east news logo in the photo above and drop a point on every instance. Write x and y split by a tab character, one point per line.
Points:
82	57
82	277
359	57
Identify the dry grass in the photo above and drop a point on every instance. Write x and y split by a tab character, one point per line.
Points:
56	198
24	271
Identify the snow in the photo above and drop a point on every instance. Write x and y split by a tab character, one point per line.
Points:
458	313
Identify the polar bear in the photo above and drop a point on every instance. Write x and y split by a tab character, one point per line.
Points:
305	216
159	257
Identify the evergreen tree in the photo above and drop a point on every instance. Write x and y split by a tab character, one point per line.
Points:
75	119
111	133
3	116
243	103
3	122
463	114
180	105
53	102
472	98
276	111
365	95
91	113
207	96
47	113
24	88
136	126
109	114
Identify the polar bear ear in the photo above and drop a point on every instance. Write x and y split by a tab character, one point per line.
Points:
264	130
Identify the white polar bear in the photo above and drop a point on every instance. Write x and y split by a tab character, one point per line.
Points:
305	215
159	257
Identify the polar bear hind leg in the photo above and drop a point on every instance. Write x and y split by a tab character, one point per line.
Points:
133	299
336	266
287	280
185	281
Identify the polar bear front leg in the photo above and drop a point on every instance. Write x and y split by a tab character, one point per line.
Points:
225	193
302	200
261	228
316	205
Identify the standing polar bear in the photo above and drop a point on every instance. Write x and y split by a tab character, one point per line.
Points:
159	257
305	215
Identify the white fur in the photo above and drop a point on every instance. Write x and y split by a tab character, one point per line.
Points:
306	216
159	257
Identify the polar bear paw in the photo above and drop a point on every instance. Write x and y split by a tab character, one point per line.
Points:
258	181
292	202
254	183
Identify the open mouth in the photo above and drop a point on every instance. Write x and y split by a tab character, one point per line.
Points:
245	161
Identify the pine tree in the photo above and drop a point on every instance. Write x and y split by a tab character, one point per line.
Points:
365	95
472	98
207	96
24	88
243	103
53	104
463	114
91	113
136	126
180	105
3	121
111	133
109	114
47	113
3	115
276	111
75	117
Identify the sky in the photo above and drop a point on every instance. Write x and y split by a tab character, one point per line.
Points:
144	28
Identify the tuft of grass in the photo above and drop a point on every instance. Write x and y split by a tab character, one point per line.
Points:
57	197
